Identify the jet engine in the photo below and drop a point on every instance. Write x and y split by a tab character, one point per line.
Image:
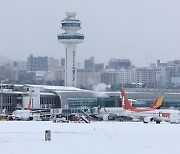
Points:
106	117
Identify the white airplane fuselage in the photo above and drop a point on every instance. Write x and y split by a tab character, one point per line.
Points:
105	113
22	114
156	115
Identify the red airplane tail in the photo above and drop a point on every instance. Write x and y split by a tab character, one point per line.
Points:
30	103
157	102
154	105
126	104
105	110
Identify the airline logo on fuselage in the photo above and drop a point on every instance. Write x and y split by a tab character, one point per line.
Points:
164	115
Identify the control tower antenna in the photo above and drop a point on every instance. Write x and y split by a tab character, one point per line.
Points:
70	38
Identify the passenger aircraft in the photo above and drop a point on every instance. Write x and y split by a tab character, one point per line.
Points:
121	113
23	114
151	114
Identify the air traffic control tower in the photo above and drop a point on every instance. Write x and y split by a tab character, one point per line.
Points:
70	38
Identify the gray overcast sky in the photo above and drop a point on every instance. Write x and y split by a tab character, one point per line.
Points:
140	30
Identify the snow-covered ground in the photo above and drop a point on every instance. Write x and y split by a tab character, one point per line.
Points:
18	137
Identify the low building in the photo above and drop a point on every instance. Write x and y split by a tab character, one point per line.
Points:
47	97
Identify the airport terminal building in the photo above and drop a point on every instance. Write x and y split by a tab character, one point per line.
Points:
47	97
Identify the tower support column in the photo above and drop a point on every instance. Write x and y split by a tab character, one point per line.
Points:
71	70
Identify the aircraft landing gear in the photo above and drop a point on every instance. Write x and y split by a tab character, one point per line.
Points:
158	122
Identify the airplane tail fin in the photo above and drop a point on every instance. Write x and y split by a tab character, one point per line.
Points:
126	104
153	106
105	110
157	102
30	103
